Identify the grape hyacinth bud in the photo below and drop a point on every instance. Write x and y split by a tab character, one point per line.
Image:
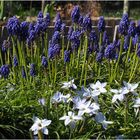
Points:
40	14
101	24
126	42
67	56
4	71
132	29
5	45
47	18
23	72
87	23
44	61
123	26
15	61
32	70
75	14
13	26
105	38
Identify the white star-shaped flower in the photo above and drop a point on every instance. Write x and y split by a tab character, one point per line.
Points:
70	84
40	125
71	119
98	88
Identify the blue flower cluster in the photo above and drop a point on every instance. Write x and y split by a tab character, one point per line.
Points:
44	62
15	61
13	26
123	26
4	71
101	24
32	70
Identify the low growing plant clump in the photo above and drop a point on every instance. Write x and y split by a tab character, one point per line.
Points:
72	86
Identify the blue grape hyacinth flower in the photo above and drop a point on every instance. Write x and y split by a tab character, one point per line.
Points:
5	45
15	61
23	72
75	14
123	26
132	29
44	61
67	56
13	26
101	24
32	70
4	70
87	23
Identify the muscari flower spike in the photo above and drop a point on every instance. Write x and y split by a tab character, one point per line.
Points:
126	42
4	70
23	72
110	51
58	23
70	31
15	61
123	26
24	30
75	14
93	37
32	70
99	56
31	37
67	56
44	61
105	38
5	45
56	37
87	23
13	26
132	29
101	24
40	14
80	20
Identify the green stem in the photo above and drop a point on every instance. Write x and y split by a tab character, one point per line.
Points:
120	53
85	55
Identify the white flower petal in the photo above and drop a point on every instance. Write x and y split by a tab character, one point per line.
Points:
70	113
35	132
74	86
45	131
46	122
114	91
67	121
64	118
